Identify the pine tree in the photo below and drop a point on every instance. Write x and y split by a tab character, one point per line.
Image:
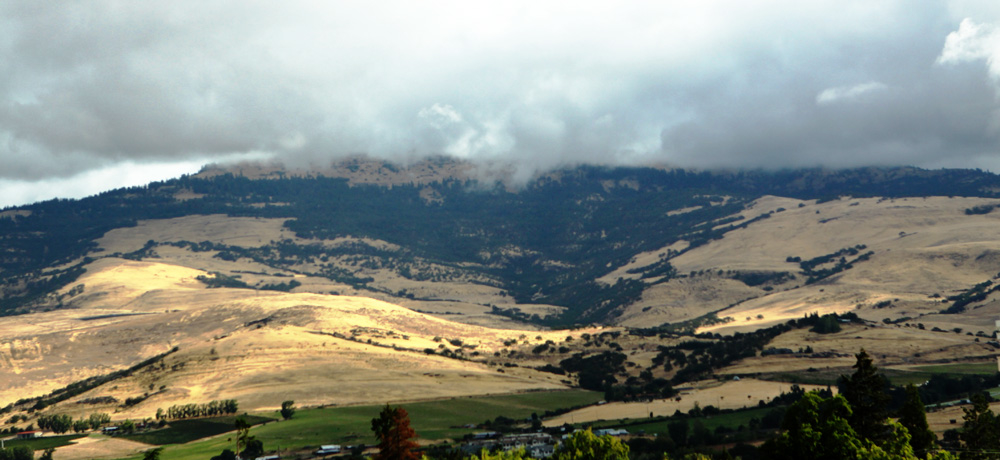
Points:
392	429
865	392
979	431
914	417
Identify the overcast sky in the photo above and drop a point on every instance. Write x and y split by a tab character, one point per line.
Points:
100	94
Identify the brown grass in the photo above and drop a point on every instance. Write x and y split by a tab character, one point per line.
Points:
724	395
258	347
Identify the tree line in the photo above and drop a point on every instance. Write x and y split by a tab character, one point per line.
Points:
182	411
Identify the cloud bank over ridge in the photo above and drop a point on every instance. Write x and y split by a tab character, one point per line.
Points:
95	85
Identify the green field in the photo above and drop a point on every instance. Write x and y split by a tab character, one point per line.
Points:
44	443
181	431
914	375
729	420
819	377
960	368
352	425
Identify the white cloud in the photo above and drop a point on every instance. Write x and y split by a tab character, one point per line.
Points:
440	115
126	174
539	84
830	95
973	42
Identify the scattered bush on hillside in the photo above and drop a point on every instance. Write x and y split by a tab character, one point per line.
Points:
826	324
977	293
757	278
218	280
980	209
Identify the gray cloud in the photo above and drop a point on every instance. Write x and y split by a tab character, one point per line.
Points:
711	84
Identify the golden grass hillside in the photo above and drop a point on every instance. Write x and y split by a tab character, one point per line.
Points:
462	297
924	250
260	347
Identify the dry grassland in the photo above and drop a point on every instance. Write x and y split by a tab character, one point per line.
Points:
247	232
462	292
684	298
258	347
98	447
922	247
726	395
889	346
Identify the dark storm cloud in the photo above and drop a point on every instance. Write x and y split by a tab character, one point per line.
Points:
90	86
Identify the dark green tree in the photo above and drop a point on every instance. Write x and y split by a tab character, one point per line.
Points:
913	416
242	434
253	449
17	453
865	393
395	437
818	429
152	454
585	445
678	431
287	409
226	454
979	432
81	425
126	427
98	420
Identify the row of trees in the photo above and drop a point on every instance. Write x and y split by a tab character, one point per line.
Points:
181	411
62	423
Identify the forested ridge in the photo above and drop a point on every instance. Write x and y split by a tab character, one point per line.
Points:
543	243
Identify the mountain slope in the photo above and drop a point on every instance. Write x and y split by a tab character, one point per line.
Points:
258	347
418	233
922	251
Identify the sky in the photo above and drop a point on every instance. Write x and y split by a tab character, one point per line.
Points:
98	94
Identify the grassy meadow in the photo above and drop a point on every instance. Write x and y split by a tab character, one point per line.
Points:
309	428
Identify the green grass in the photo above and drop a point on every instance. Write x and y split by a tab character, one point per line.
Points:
44	443
181	431
432	420
960	368
818	377
914	375
730	420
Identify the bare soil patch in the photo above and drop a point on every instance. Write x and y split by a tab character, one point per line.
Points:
99	447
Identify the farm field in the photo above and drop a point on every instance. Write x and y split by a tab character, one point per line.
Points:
726	395
44	443
182	431
659	426
432	420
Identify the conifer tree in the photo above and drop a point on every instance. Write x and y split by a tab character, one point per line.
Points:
392	429
865	392
979	432
914	417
